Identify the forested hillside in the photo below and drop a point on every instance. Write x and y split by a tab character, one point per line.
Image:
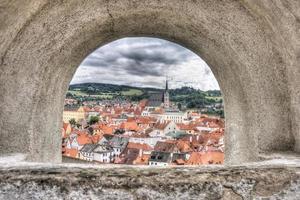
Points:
186	97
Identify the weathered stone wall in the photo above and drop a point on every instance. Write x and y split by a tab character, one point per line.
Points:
144	183
252	47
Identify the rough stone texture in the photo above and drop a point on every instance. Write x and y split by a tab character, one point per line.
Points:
144	183
252	47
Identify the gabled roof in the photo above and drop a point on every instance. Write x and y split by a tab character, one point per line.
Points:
103	149
148	130
118	142
84	138
205	158
71	152
145	147
88	148
106	129
142	160
161	125
179	161
165	146
145	120
183	146
182	126
129	156
176	134
106	137
130	126
157	156
195	159
210	122
179	156
213	157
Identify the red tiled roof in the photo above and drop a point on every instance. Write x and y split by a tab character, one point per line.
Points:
130	126
145	120
210	122
186	126
183	146
105	129
145	147
142	160
83	139
214	157
161	125
205	158
165	146
179	161
195	159
71	152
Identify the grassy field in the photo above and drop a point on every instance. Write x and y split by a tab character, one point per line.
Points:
78	93
83	94
215	98
132	92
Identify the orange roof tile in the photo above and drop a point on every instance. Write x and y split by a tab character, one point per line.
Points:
71	152
183	146
106	129
186	126
142	160
161	125
130	126
214	157
195	159
83	139
179	161
145	147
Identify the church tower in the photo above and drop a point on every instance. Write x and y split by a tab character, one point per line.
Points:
166	96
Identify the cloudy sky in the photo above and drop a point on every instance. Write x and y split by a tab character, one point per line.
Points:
145	62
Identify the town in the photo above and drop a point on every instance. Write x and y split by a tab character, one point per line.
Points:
151	131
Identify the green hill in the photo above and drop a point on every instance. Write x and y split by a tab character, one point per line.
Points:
187	97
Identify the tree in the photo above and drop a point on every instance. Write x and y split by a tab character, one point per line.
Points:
93	120
69	95
179	106
72	122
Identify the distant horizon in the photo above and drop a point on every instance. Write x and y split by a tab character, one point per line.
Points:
145	62
160	88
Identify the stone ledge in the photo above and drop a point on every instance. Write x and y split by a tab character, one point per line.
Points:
276	178
150	183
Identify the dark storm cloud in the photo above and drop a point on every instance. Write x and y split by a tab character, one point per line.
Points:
144	62
146	56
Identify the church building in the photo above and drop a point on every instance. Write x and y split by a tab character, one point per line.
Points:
160	99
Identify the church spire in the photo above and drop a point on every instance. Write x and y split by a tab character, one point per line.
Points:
166	95
167	87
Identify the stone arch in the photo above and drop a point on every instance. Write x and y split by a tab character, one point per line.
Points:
256	72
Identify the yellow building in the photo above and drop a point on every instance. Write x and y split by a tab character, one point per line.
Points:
77	114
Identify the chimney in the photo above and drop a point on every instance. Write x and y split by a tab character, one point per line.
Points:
140	152
197	137
191	138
